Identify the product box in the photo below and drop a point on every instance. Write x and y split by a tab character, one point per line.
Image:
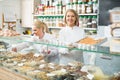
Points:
115	46
115	15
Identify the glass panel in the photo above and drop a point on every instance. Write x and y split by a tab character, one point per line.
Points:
88	48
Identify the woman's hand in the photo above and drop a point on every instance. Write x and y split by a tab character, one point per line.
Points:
50	52
14	49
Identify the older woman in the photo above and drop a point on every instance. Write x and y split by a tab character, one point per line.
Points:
40	34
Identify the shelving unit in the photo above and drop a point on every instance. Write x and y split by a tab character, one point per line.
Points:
52	14
11	24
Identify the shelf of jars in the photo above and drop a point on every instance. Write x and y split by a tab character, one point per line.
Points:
59	7
87	22
87	44
52	12
52	15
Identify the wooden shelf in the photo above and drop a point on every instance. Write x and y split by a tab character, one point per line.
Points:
10	23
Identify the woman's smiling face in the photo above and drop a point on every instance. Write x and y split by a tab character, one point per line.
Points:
70	19
36	31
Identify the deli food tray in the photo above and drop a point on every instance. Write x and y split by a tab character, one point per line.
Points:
90	43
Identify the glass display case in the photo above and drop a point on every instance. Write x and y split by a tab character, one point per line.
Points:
99	62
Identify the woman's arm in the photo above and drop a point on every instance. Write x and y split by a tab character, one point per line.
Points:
20	46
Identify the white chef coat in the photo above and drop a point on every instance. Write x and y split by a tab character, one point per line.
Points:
71	35
28	46
34	39
46	37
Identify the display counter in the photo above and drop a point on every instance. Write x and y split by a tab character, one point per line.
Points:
33	65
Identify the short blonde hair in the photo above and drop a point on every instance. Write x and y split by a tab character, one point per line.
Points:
39	24
76	16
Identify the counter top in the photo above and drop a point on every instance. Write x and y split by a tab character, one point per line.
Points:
6	74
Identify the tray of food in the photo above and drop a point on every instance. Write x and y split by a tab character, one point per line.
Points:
90	43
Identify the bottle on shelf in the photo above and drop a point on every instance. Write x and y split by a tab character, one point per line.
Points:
84	21
53	21
89	8
79	7
81	21
83	8
95	7
94	22
89	24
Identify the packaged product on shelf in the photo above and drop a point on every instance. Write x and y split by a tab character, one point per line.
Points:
115	40
115	15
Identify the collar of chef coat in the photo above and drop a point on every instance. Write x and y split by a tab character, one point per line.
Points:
71	34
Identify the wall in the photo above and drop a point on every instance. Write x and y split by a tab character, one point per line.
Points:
11	8
0	15
104	7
